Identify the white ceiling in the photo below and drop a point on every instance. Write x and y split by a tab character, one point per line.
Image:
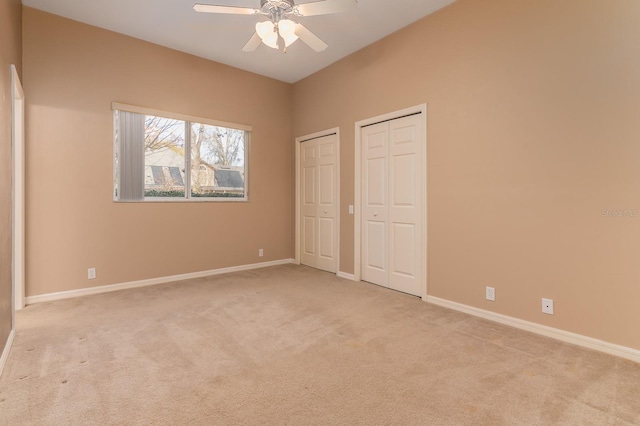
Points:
220	38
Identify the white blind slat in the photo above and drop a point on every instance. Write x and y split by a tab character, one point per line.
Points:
131	133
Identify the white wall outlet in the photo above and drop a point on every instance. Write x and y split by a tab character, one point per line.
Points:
260	252
547	306
350	208
91	273
490	294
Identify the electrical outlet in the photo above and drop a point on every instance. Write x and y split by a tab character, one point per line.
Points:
490	294
91	273
350	208
547	306
260	252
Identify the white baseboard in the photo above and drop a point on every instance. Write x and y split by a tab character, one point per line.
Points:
153	281
346	276
555	333
7	349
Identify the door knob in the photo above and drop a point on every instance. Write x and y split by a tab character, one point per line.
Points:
375	213
325	212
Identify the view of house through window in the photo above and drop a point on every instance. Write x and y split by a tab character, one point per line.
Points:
164	149
165	158
217	160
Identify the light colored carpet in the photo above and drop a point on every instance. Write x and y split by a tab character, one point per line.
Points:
292	345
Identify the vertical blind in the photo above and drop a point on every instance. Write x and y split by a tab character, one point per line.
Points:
131	155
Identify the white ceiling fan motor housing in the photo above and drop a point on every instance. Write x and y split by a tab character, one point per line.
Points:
279	7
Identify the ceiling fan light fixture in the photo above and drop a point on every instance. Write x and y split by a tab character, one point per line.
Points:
287	29
268	35
271	41
278	24
264	29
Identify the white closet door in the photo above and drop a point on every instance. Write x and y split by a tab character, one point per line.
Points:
391	212
318	199
405	205
375	230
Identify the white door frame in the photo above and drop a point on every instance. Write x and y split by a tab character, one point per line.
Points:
300	140
18	221
357	220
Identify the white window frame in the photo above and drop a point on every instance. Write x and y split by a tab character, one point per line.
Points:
188	119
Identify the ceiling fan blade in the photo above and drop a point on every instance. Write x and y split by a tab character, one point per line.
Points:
310	38
253	43
325	7
211	8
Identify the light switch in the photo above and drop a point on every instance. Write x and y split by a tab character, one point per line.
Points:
350	208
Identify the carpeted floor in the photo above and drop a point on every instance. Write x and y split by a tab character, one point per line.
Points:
292	345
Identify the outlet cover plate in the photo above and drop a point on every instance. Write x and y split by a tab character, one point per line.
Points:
91	273
490	294
547	306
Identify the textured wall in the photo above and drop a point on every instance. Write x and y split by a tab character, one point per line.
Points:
10	53
533	132
72	74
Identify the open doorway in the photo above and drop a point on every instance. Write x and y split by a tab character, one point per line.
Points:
18	234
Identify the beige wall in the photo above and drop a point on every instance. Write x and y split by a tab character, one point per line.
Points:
72	73
532	133
10	53
533	130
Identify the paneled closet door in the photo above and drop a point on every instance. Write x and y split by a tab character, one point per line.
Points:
392	208
375	208
318	203
405	205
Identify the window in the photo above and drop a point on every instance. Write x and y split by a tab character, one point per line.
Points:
161	156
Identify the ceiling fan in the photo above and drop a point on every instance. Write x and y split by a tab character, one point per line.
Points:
280	24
